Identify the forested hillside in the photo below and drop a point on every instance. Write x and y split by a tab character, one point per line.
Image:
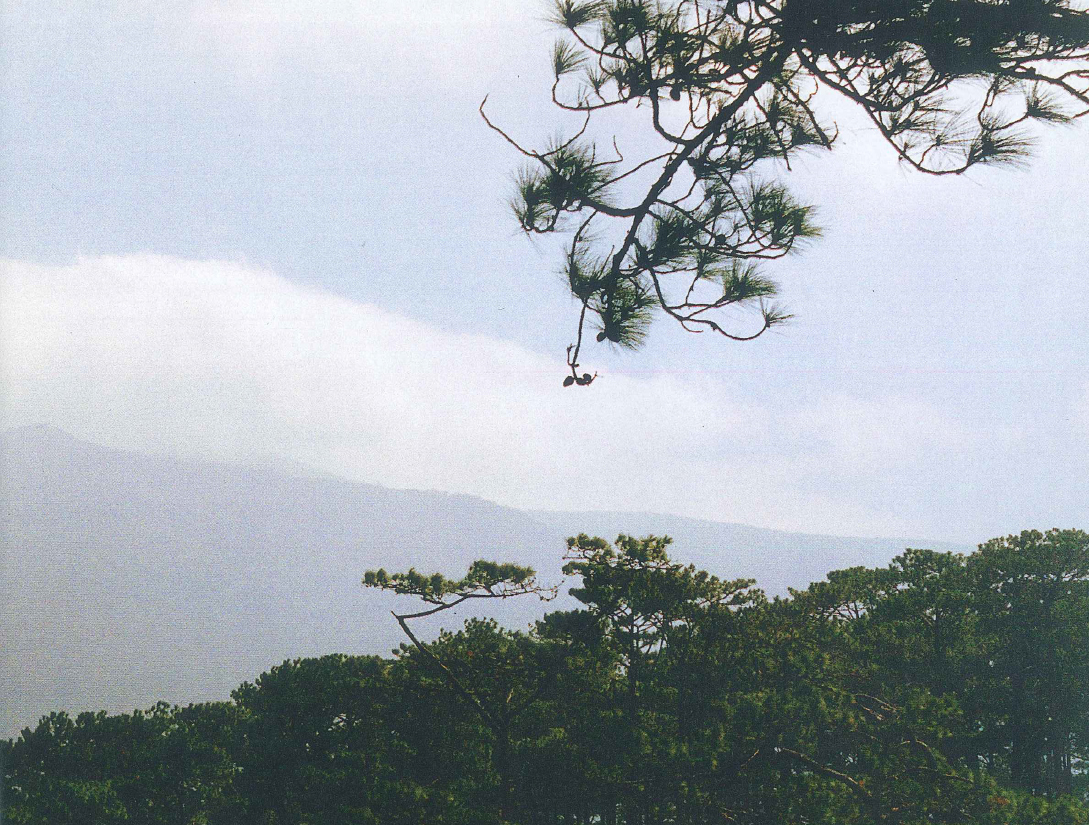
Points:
130	578
940	688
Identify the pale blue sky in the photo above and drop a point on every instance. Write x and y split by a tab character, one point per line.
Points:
260	169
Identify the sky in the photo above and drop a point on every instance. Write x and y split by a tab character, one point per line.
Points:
243	230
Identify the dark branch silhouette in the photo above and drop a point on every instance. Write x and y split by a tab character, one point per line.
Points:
731	91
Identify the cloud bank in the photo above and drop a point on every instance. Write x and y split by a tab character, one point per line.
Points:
227	361
223	360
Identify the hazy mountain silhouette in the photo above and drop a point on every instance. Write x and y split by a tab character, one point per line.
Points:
129	578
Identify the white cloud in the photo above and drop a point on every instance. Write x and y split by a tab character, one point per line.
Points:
226	361
864	434
223	359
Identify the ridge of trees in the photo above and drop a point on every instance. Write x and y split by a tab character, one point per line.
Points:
941	688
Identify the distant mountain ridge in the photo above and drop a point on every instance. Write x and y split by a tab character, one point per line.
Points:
129	578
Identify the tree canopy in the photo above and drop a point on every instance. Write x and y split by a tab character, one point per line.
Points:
940	688
733	91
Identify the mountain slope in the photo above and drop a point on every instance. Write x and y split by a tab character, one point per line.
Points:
129	578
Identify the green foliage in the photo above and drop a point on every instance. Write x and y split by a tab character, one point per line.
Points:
165	765
730	90
938	689
1033	608
1001	632
485	579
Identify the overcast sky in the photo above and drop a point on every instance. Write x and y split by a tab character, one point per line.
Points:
274	228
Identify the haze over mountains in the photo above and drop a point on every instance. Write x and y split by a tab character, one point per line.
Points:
129	578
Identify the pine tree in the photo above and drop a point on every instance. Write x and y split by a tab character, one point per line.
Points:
732	88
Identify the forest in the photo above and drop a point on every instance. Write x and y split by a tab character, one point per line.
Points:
942	688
